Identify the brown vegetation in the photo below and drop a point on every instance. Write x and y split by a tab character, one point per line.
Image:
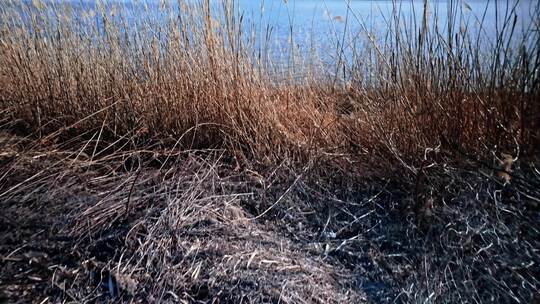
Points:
170	161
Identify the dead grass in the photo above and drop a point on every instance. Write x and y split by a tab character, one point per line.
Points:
162	162
178	234
186	80
193	229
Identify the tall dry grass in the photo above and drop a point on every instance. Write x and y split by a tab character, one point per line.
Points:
192	77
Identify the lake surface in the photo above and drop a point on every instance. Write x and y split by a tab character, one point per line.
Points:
296	28
322	24
325	17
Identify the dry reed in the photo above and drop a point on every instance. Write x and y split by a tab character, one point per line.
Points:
170	159
185	73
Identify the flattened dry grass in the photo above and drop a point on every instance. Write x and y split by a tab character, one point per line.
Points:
188	227
183	233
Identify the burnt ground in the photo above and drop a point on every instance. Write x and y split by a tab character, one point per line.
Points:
142	226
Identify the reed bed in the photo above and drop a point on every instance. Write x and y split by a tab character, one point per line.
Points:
176	157
187	71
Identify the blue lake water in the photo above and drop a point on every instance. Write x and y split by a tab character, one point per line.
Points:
301	27
327	23
323	18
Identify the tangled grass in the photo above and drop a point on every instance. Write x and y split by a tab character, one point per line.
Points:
167	158
190	228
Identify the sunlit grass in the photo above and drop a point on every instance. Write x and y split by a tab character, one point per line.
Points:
187	75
